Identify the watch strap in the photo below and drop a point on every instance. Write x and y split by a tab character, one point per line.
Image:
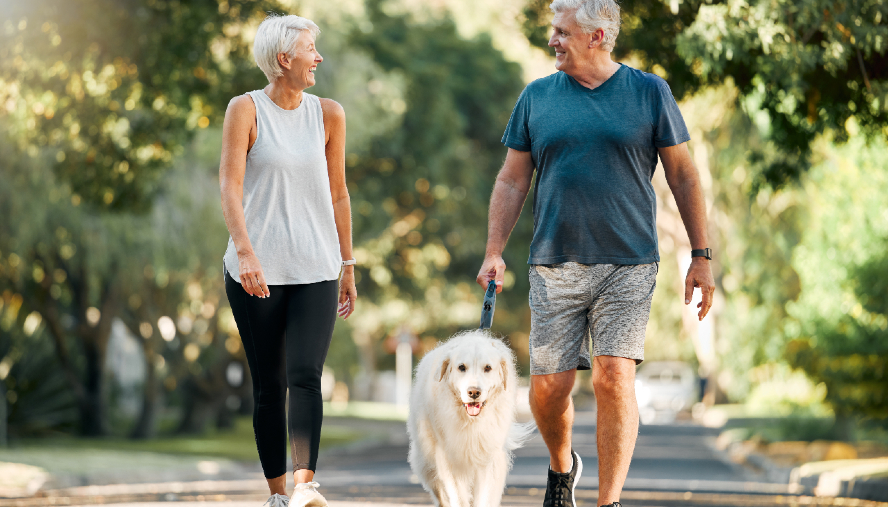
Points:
704	252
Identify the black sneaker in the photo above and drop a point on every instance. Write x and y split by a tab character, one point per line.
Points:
615	504
560	486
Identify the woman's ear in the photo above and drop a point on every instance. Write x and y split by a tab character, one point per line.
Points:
284	60
445	367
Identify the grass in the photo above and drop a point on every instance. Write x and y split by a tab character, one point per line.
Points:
235	444
366	410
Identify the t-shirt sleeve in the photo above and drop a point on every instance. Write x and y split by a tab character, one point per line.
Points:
670	128
517	135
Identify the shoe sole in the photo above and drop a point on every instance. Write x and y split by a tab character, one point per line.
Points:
576	479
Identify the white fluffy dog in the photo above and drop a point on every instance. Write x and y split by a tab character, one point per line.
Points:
461	424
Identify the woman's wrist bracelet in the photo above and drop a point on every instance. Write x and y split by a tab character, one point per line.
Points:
350	262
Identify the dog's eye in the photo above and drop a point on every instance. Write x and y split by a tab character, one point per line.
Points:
462	367
487	368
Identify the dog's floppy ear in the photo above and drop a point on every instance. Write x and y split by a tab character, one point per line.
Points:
444	367
504	370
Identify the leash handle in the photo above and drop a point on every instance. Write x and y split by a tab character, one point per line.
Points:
489	306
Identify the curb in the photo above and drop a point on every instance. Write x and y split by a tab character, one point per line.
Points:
865	479
857	478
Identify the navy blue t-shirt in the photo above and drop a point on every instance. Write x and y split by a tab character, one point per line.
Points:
595	153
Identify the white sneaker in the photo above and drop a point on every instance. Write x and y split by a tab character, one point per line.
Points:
277	500
306	495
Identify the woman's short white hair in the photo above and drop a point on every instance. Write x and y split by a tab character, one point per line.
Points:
592	15
278	34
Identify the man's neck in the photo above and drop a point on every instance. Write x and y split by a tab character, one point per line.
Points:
596	70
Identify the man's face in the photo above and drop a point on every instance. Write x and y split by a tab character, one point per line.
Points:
570	42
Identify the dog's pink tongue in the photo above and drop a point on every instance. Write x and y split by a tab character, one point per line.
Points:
473	408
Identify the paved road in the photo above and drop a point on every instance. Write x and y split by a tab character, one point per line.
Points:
674	465
675	458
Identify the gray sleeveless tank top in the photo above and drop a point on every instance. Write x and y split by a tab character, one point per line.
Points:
287	201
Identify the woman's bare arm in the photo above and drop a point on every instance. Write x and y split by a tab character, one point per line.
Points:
237	133
334	132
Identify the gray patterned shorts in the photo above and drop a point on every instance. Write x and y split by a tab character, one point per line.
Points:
571	303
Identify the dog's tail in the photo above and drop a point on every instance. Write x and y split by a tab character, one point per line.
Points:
519	434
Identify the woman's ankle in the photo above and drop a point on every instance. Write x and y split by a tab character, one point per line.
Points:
278	485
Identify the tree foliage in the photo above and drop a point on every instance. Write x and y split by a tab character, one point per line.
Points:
801	68
107	93
421	183
117	86
839	325
84	107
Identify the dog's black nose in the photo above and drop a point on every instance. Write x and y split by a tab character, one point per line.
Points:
474	392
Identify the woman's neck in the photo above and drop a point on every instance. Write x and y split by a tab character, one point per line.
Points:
284	94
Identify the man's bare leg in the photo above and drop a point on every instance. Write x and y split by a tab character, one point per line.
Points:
617	430
553	411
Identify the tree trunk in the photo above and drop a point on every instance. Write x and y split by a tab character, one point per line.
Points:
200	408
146	424
363	385
4	416
92	407
95	347
844	427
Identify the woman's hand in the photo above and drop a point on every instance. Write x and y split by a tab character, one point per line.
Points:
251	276
347	292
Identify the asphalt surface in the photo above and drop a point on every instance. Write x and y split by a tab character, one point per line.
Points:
674	458
674	464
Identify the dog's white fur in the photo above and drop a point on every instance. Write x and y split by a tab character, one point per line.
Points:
462	459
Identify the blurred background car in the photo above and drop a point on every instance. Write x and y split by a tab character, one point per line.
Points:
663	389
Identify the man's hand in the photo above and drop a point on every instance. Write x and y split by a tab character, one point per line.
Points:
700	275
494	268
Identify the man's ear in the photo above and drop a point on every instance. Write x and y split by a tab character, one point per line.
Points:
597	38
445	367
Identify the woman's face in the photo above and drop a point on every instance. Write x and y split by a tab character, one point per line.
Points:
305	60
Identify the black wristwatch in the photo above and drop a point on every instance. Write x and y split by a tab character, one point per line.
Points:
706	252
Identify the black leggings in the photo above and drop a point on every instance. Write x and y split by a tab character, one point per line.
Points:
286	337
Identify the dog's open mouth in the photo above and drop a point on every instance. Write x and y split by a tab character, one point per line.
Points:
474	408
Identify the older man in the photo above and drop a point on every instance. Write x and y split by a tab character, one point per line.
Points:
593	131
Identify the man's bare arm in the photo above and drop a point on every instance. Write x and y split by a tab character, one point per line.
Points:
506	201
684	181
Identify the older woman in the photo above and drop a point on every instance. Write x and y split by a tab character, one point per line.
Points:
289	267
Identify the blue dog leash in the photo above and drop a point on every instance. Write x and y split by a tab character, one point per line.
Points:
489	305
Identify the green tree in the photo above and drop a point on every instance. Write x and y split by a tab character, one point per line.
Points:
801	68
105	93
420	188
64	264
116	87
839	325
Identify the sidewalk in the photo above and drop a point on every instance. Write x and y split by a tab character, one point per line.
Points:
76	472
820	468
674	465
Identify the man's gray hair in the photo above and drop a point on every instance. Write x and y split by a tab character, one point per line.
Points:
278	34
592	15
